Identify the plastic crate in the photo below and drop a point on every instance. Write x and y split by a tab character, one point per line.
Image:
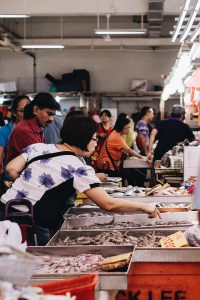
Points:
82	287
17	271
176	162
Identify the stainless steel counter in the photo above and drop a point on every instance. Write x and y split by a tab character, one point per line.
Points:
108	280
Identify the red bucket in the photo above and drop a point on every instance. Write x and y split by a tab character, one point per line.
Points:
82	287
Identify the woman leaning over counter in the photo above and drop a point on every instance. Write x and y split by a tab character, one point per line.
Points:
49	182
112	148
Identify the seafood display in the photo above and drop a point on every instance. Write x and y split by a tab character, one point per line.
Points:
171	205
122	225
166	189
92	214
69	264
111	239
170	191
125	191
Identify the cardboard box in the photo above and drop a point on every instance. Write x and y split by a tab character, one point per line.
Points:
115	262
174	240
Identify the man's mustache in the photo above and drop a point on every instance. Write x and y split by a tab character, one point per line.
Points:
48	122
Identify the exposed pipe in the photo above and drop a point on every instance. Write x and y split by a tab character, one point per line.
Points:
34	69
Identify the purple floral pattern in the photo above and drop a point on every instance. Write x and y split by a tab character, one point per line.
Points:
45	161
21	194
46	180
66	174
27	150
27	174
81	172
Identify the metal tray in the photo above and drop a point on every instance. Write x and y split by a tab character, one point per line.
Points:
150	199
191	216
183	254
108	280
62	234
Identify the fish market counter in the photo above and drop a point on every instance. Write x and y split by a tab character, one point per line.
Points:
84	220
151	199
108	280
163	273
153	272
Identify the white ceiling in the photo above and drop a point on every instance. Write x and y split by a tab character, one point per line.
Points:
72	22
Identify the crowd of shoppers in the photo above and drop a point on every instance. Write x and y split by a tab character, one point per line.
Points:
44	157
48	174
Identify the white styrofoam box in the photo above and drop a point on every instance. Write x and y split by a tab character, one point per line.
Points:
176	162
8	86
191	161
141	85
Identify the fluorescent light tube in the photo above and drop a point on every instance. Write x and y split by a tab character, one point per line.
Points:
14	16
120	31
194	52
43	46
195	33
180	21
190	22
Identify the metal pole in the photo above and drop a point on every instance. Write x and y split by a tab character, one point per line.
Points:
162	108
181	99
81	99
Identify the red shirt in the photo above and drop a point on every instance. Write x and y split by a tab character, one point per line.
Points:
26	133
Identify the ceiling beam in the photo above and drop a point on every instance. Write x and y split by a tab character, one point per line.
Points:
99	42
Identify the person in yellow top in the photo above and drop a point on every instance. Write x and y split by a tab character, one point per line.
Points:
129	138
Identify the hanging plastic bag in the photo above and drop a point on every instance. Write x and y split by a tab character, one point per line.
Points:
10	234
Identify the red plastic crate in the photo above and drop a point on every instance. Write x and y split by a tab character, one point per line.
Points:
82	287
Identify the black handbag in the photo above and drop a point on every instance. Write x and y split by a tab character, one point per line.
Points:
112	160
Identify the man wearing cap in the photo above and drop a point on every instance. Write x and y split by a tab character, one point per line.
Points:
38	113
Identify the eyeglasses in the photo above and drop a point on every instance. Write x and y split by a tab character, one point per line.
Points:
21	111
96	140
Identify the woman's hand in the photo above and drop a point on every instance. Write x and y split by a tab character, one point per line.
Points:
102	177
152	211
149	157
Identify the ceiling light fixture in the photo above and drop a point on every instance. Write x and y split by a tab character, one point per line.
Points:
180	20
120	31
14	16
195	33
190	22
194	52
43	46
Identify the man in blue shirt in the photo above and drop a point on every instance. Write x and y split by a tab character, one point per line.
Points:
142	129
17	115
52	132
